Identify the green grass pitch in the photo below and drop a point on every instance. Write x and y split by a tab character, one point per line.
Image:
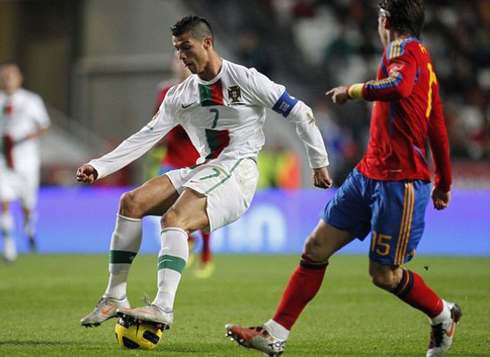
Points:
43	297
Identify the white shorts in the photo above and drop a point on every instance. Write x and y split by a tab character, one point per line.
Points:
19	185
229	193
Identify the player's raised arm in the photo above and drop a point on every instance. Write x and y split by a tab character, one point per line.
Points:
275	96
401	72
130	149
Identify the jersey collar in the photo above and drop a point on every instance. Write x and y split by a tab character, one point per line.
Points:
215	79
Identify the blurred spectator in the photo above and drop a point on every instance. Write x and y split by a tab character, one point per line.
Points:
340	49
343	151
279	168
252	53
304	9
459	33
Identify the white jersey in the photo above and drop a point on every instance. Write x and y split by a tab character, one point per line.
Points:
21	115
223	118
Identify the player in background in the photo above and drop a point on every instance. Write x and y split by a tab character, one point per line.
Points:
222	107
181	153
23	119
388	191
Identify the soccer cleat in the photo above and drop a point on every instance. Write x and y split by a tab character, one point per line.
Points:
105	309
441	336
205	270
257	338
150	313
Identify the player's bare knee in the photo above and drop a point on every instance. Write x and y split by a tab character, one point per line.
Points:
385	280
315	249
129	205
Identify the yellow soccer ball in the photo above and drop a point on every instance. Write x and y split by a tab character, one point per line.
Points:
137	335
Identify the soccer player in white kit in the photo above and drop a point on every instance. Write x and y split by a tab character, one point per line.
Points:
23	119
222	107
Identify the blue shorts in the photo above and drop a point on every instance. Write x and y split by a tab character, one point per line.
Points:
393	210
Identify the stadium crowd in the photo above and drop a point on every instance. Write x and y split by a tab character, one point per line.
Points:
338	39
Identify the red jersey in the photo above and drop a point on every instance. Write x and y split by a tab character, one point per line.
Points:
407	112
180	151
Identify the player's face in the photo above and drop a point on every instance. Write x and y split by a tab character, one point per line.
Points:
10	78
192	52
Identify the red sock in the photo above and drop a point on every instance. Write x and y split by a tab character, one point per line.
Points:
206	250
413	291
302	287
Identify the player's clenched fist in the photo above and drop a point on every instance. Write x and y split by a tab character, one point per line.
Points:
440	198
86	173
321	178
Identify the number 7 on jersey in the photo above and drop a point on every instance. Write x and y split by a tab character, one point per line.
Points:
216	117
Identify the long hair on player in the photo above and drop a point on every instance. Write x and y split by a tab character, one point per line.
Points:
405	16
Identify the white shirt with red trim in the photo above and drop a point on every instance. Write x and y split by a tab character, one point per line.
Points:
21	114
223	118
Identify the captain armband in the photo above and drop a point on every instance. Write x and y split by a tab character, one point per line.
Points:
285	104
354	91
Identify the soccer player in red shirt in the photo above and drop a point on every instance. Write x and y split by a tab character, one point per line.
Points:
388	191
181	153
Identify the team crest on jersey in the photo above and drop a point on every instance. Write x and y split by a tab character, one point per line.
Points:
235	94
396	68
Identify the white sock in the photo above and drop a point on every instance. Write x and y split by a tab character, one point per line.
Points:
172	259
7	223
443	316
116	288
125	244
276	330
9	247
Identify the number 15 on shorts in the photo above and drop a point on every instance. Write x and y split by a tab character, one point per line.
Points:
380	244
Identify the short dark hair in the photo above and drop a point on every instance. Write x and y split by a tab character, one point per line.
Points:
405	16
198	26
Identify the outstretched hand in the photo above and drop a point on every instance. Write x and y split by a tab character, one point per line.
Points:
321	178
87	173
339	95
440	198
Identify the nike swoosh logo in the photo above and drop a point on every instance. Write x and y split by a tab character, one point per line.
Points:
186	106
143	311
451	331
105	312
